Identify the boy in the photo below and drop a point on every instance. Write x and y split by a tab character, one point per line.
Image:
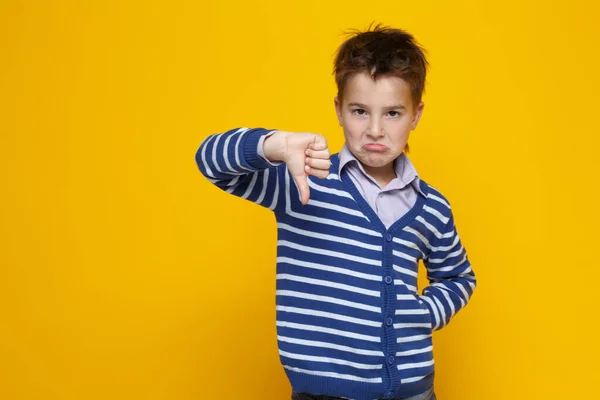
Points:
352	228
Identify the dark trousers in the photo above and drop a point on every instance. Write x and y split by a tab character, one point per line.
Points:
429	394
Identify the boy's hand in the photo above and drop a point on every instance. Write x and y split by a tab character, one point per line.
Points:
304	154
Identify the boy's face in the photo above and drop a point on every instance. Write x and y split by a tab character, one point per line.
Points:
377	117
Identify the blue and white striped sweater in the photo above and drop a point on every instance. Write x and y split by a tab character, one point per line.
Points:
350	322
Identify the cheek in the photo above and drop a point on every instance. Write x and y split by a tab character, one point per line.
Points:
352	132
400	129
353	126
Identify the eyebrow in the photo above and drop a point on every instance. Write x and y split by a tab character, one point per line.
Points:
394	107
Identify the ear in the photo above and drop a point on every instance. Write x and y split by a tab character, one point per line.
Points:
417	116
338	109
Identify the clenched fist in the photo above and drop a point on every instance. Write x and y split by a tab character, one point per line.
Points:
304	154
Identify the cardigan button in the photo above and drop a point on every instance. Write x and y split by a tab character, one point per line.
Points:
388	237
389	321
388	279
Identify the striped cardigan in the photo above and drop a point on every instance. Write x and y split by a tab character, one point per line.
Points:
350	322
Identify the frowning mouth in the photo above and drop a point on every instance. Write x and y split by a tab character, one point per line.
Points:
375	147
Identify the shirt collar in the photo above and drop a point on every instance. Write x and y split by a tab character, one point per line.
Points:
405	170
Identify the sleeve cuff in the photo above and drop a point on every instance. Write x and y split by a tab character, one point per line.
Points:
250	149
261	150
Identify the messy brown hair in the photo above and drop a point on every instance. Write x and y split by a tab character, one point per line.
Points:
382	51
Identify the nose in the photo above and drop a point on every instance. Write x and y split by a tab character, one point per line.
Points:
375	128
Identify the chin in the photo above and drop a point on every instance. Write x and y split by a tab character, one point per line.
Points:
376	160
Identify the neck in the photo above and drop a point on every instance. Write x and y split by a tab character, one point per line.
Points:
382	175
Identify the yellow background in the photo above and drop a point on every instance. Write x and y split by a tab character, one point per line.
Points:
125	275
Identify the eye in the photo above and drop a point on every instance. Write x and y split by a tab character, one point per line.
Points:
394	114
359	111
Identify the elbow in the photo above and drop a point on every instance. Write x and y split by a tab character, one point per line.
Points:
198	160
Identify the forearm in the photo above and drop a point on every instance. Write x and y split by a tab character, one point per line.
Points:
232	162
446	297
230	154
452	280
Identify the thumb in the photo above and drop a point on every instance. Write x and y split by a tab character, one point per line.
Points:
302	184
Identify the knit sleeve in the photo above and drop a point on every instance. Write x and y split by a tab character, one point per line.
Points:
232	162
452	280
